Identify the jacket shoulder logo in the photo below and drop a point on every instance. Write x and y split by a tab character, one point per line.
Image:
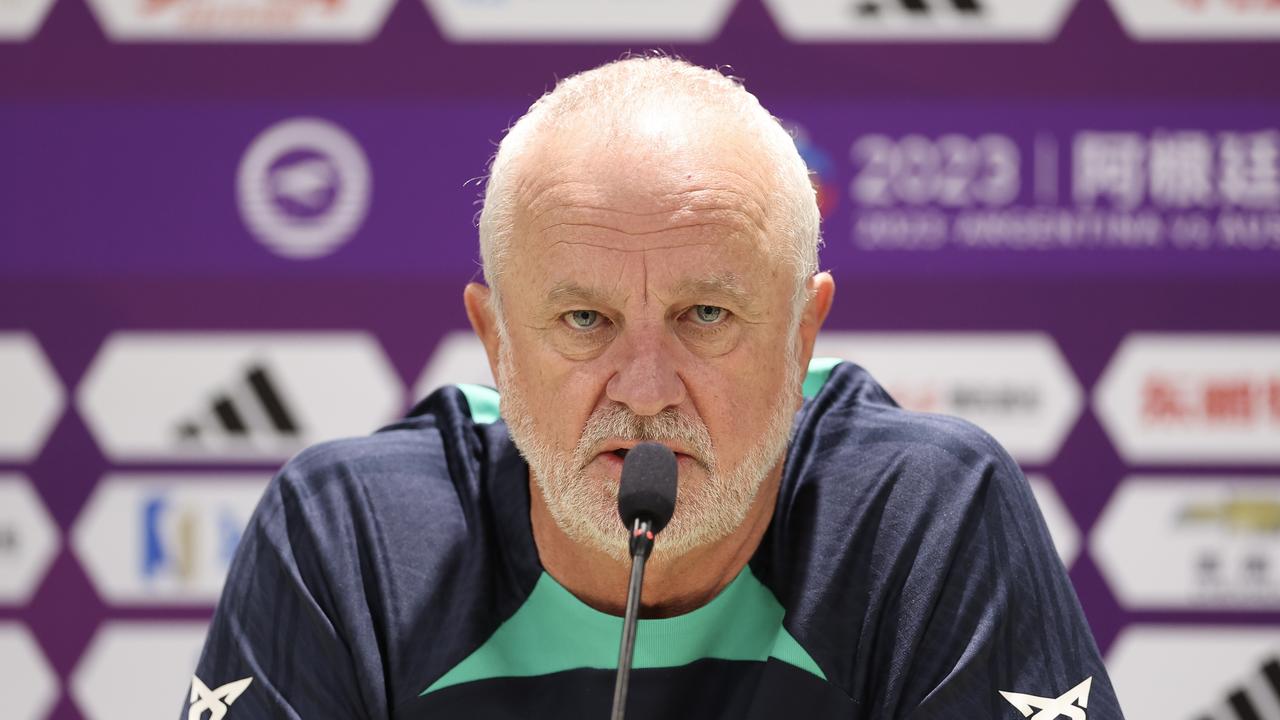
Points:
216	700
1070	705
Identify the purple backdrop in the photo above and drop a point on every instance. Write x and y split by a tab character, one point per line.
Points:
119	212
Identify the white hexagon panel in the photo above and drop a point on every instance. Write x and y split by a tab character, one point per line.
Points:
1191	543
20	19
1226	672
31	397
918	20
133	670
1193	398
1063	530
29	540
28	687
234	397
1199	19
164	539
459	357
580	20
241	20
1016	386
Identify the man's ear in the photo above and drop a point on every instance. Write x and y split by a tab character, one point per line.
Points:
822	290
480	311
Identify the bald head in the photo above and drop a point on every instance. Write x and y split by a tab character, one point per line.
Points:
650	132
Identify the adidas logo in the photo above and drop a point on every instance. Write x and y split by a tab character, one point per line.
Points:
253	410
919	8
1257	698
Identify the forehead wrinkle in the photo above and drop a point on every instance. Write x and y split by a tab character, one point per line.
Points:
602	246
597	208
728	206
744	217
634	233
541	189
714	200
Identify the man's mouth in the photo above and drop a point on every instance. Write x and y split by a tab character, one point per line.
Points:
619	455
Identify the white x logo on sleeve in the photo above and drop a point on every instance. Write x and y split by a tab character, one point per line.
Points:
1070	704
216	700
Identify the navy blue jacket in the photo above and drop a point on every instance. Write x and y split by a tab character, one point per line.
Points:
907	573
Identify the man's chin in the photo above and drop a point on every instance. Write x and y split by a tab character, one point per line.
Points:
585	507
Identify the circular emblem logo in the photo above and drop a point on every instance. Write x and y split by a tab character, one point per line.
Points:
303	187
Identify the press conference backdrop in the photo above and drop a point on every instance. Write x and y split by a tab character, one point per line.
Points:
232	228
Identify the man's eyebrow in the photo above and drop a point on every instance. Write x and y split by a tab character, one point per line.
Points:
725	285
567	291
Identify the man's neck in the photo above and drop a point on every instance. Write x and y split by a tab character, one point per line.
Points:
671	587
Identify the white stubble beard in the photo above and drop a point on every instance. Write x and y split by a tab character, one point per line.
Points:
586	508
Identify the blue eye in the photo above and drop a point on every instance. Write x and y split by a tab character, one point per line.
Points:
708	314
583	319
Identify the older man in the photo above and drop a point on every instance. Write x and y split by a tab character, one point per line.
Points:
649	238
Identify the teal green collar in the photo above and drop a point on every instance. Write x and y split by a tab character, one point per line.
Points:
554	631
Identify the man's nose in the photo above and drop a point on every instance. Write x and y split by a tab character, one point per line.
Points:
646	379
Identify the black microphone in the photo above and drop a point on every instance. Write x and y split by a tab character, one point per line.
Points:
646	501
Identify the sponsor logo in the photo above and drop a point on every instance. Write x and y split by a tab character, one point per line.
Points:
1186	19
1192	543
1063	530
1257	696
1182	170
33	397
1260	516
214	701
1070	705
1225	672
821	169
1015	386
164	540
303	187
29	539
173	549
580	20
234	397
1180	189
812	20
20	19
1180	398
134	669
878	8
252	410
241	20
29	686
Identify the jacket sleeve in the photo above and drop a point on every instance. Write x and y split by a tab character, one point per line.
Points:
1003	634
285	638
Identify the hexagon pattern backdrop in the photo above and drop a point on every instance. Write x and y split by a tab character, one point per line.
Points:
233	228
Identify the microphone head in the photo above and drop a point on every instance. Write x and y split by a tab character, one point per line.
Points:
648	486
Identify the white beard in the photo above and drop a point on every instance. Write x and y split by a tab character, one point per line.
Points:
585	508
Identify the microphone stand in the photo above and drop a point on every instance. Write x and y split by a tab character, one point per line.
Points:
641	546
